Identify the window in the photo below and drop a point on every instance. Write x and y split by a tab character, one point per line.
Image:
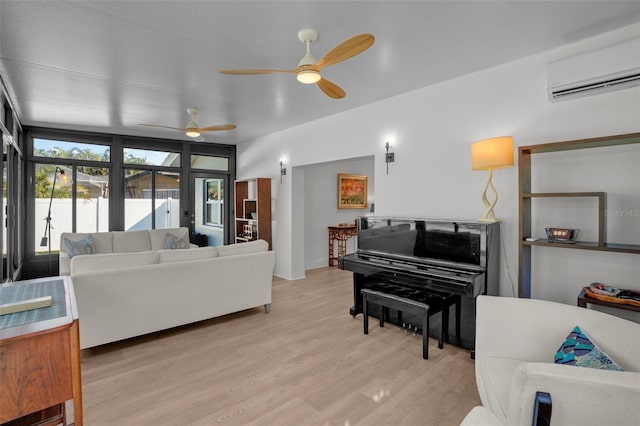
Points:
214	207
152	199
53	205
208	162
151	158
70	150
79	201
167	199
4	208
119	183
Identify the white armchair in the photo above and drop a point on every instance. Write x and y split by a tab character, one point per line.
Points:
516	340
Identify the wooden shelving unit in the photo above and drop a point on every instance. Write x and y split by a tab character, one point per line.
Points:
253	210
526	196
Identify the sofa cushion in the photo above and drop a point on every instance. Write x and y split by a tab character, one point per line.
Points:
83	246
173	242
112	261
243	248
103	241
173	255
578	349
157	236
131	241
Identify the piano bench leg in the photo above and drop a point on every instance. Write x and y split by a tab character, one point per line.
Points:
365	314
425	335
444	325
458	314
384	311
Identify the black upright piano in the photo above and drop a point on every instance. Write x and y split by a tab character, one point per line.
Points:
456	257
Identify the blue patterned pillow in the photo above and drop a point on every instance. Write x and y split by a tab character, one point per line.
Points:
83	246
579	350
172	242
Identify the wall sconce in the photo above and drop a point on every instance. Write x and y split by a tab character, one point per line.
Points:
283	170
389	157
489	154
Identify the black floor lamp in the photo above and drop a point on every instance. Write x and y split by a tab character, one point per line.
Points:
46	239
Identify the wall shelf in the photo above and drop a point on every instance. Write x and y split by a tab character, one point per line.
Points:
587	245
526	196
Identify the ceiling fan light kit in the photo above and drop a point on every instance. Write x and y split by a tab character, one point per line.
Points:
308	69
193	130
308	76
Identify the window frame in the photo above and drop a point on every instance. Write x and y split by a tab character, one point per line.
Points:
116	177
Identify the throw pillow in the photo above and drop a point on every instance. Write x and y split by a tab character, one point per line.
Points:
83	246
578	349
172	242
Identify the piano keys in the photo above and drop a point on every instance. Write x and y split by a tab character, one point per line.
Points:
457	257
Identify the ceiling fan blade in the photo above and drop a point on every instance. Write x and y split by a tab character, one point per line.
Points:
216	128
163	127
254	71
331	89
345	50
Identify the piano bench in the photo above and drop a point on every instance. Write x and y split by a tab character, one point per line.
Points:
402	304
447	300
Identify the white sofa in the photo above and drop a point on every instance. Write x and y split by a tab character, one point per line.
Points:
127	294
516	340
120	242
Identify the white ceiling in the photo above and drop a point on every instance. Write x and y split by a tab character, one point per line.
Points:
108	65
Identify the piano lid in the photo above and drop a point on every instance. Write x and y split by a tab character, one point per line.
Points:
426	240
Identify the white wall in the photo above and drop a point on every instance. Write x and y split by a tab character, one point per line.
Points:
320	206
431	131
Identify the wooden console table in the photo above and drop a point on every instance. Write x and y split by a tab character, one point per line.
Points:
40	355
340	233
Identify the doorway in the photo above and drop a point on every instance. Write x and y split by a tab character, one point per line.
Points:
210	209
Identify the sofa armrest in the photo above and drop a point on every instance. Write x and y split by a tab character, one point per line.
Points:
480	416
581	395
64	264
540	326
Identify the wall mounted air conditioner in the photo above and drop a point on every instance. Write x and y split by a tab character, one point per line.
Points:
604	70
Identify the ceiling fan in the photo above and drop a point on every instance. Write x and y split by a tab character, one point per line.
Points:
192	129
308	69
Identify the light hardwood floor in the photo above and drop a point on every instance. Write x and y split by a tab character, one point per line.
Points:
305	363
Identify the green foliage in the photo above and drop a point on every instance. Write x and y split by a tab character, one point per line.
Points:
45	172
44	183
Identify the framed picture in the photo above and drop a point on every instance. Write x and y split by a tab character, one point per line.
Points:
352	191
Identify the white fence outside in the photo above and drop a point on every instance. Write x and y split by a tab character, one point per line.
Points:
93	216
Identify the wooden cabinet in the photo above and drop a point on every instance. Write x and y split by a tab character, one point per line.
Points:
40	355
526	197
253	210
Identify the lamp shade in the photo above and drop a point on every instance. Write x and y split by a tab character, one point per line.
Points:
65	179
492	153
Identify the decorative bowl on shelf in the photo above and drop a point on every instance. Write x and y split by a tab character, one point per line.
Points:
562	235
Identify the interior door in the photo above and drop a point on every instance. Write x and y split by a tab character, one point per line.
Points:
210	210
